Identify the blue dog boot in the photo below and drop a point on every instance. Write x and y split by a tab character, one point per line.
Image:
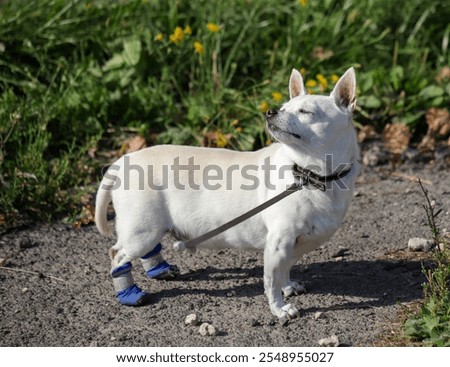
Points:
163	271
128	293
156	267
133	296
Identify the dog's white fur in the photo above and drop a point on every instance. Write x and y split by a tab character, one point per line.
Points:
307	127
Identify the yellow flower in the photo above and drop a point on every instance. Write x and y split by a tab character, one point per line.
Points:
177	36
303	3
234	122
311	83
263	107
221	139
239	129
310	91
212	27
334	78
187	30
199	48
159	37
277	96
322	81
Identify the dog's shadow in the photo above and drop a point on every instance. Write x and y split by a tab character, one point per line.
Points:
358	284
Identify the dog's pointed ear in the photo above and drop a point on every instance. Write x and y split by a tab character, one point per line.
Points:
344	92
296	87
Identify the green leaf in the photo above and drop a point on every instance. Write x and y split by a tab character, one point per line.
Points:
447	88
432	91
370	102
396	76
132	52
431	322
114	62
413	328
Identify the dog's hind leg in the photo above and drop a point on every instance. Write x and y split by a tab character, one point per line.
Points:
156	267
128	293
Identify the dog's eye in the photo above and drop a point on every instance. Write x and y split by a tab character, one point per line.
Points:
305	112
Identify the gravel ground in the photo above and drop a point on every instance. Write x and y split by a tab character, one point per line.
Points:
357	281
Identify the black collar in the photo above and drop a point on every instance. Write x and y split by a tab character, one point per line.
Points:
319	182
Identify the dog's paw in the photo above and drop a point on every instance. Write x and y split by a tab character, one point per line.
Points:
293	289
163	271
288	312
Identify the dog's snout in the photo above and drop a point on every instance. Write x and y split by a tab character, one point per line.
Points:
271	113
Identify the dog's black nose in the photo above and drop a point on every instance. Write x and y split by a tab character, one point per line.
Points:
271	113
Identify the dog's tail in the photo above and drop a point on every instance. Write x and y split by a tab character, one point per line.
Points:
102	200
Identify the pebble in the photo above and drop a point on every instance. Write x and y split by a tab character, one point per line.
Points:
374	156
420	244
319	315
2	261
341	252
207	329
26	243
191	319
332	341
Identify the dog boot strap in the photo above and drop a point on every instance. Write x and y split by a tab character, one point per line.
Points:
156	267
152	259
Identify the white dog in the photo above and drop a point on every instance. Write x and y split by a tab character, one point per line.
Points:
190	191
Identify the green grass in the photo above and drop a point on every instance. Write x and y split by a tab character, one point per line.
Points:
70	71
431	324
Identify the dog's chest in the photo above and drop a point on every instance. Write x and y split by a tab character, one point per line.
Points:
319	215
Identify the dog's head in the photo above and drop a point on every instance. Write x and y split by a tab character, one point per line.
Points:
312	125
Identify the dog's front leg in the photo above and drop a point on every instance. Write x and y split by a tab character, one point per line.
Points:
277	257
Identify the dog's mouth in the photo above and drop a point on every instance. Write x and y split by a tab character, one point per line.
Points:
275	129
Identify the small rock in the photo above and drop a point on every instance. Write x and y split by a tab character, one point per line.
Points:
231	294
207	329
341	252
2	261
24	290
319	315
339	258
113	338
94	343
25	243
411	154
255	323
332	341
420	244
191	319
374	156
